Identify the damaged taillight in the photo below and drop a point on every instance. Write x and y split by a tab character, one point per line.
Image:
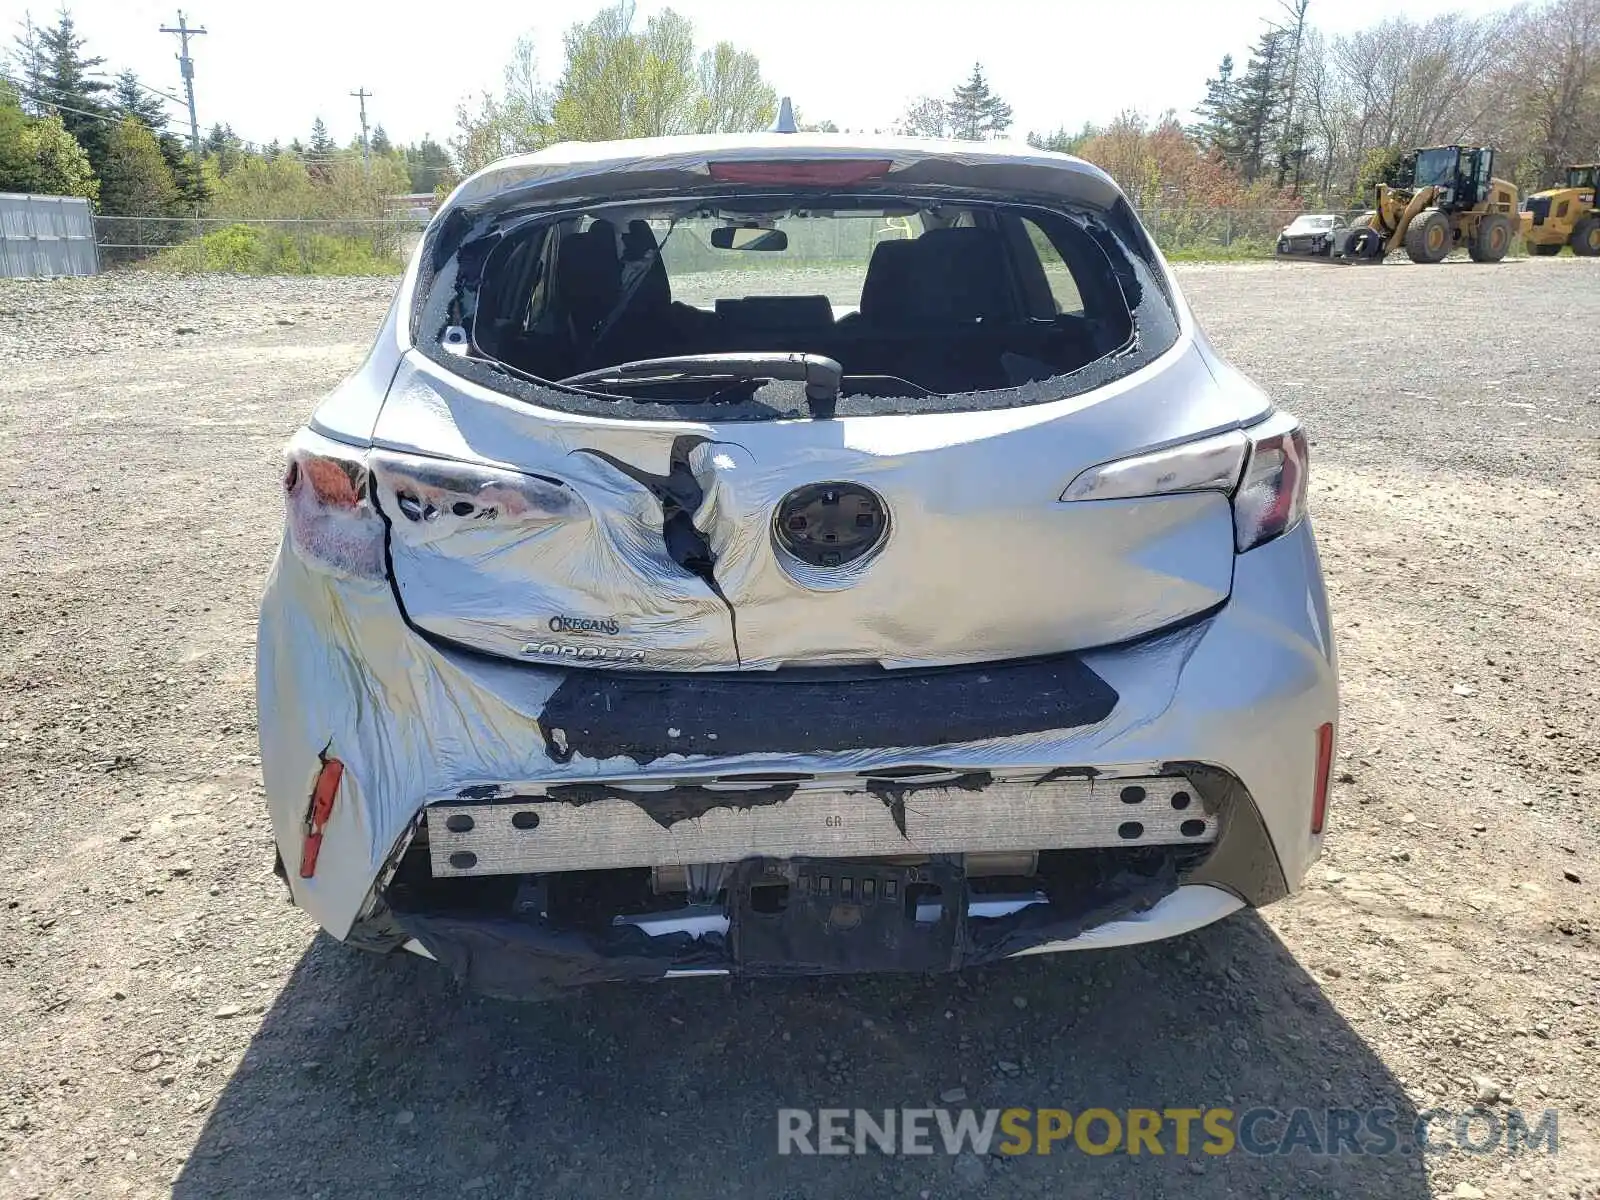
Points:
431	498
332	523
1209	464
1271	499
1263	468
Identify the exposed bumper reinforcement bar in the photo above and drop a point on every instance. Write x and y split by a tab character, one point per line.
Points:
605	826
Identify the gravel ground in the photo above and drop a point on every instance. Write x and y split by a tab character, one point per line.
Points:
169	1024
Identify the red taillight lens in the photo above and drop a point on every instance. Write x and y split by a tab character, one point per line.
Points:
830	172
331	519
1319	797
1271	499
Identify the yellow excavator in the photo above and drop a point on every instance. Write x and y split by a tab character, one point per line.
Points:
1565	216
1437	200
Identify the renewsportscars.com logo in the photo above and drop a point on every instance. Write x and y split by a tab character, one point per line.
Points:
1179	1131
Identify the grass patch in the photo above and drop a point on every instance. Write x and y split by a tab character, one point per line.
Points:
1237	252
265	250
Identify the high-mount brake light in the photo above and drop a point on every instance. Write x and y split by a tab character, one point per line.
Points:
827	172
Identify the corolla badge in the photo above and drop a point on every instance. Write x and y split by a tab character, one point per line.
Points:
590	653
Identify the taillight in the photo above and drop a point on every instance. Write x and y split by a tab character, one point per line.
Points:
332	522
1263	468
1209	465
1319	795
1271	499
827	172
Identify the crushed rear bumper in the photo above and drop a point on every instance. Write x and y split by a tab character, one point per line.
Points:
1229	702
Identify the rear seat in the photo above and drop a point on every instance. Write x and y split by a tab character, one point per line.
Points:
938	310
761	317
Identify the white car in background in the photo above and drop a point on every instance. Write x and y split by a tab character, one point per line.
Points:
1314	234
786	553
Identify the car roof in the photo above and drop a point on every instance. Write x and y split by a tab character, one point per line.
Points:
570	170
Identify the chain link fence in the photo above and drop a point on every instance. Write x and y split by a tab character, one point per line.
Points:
1221	232
288	246
361	245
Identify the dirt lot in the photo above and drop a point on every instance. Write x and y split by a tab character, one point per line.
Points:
168	1023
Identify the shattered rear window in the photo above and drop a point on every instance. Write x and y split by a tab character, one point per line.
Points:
909	304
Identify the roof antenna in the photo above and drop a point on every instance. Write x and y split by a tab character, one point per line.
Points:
785	122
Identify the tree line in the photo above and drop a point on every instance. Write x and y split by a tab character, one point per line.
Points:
1301	118
1325	116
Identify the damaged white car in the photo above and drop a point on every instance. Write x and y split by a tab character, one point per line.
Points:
786	554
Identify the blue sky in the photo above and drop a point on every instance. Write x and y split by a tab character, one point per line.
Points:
269	68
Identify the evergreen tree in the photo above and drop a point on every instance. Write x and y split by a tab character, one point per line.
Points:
135	180
65	80
186	173
1215	130
380	141
1260	102
320	143
1061	141
319	152
27	59
427	163
974	112
223	146
145	107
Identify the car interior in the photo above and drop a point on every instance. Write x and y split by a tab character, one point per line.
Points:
923	297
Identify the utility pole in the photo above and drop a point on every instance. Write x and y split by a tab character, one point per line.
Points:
186	64
361	94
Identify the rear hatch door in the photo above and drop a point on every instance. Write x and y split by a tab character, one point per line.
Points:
670	545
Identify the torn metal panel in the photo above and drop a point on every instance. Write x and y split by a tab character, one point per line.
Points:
521	960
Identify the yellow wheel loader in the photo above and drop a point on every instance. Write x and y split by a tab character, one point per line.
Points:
1437	200
1565	216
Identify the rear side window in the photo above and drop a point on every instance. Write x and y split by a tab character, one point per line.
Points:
1058	276
702	306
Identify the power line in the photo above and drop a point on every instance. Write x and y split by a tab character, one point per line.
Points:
142	86
32	91
32	94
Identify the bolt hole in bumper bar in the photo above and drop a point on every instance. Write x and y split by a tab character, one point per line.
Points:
1125	859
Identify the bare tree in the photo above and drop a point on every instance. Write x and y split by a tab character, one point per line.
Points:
924	117
1554	79
734	98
